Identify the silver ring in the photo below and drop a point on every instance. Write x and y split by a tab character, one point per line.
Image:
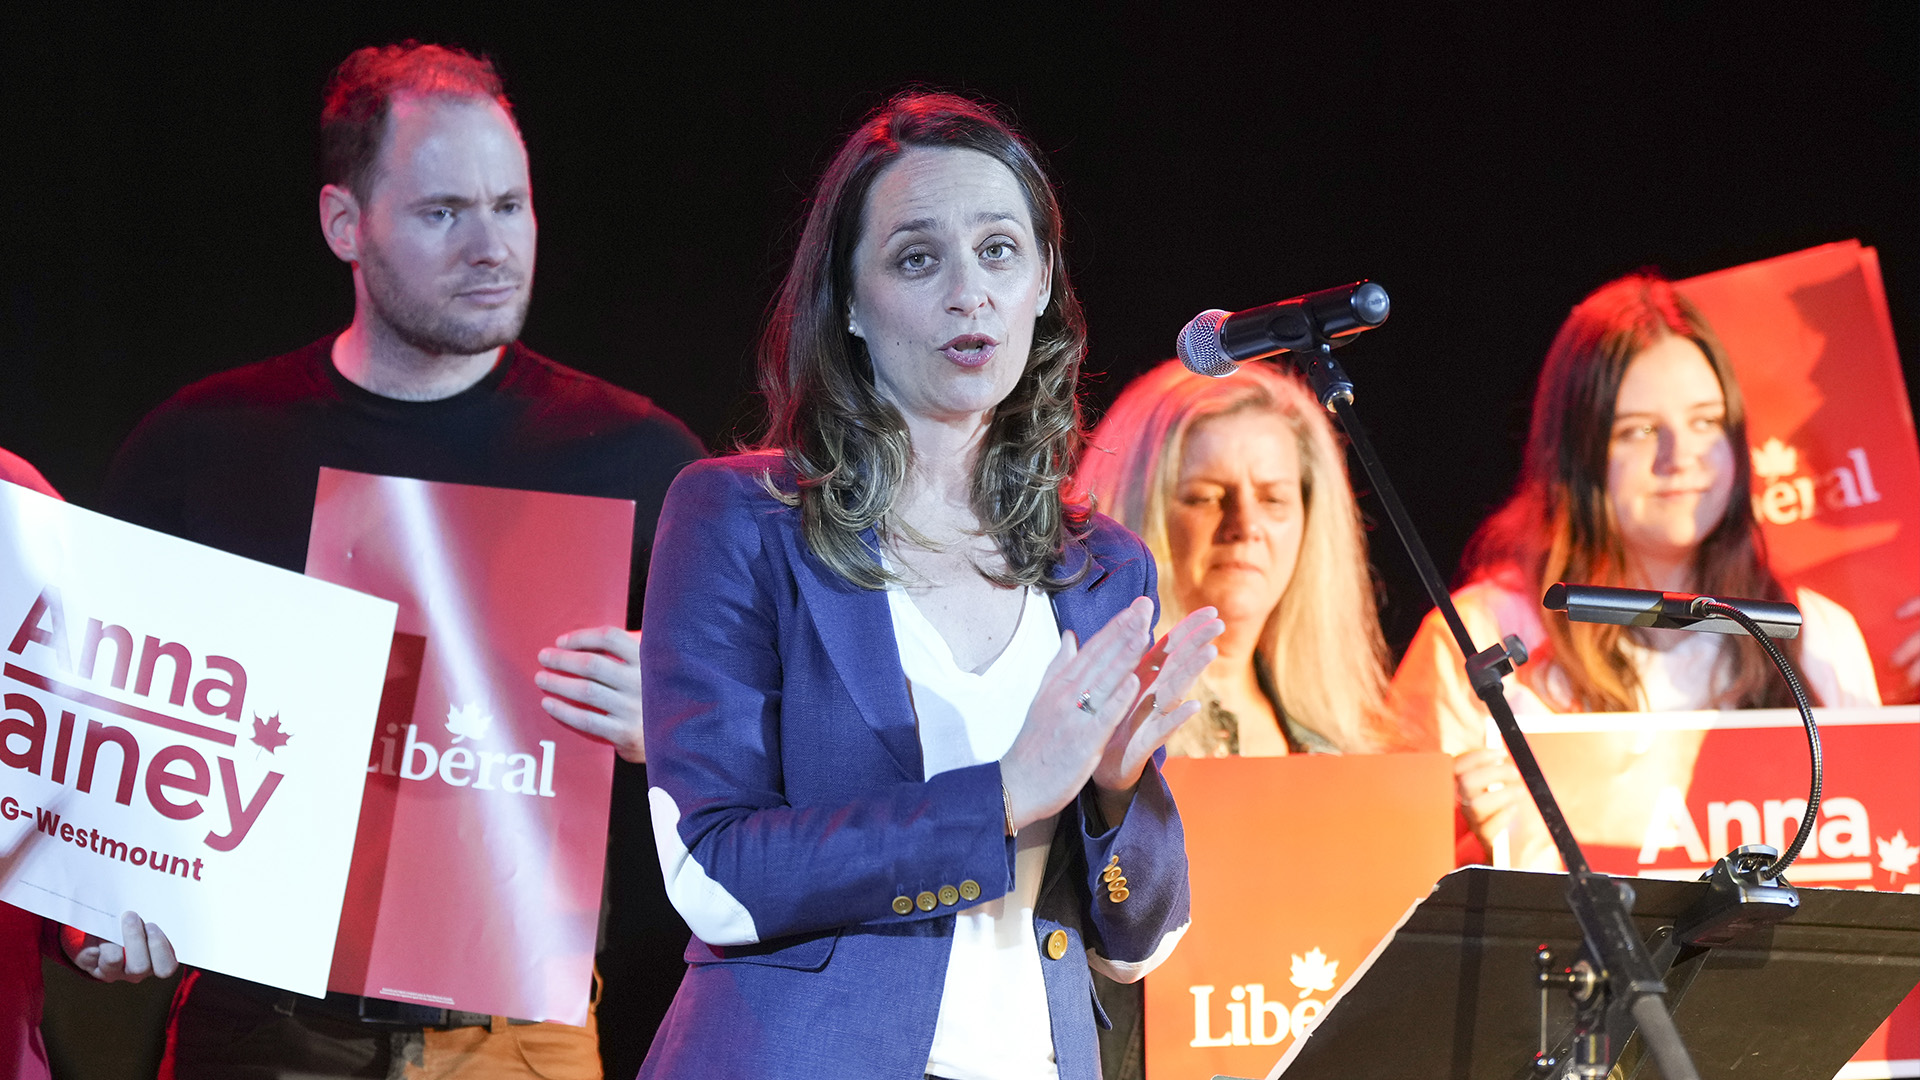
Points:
1086	702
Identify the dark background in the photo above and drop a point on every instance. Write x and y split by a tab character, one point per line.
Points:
1489	165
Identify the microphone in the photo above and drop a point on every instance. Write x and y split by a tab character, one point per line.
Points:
1216	343
1669	610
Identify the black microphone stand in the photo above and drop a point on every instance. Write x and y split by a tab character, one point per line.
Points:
1615	985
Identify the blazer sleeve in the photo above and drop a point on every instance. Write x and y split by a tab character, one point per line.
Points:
1135	933
744	863
1136	930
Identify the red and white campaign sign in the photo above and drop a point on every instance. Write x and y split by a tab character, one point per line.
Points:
483	839
1836	466
1666	794
184	736
1299	866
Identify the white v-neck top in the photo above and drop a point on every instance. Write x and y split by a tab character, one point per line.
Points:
993	1021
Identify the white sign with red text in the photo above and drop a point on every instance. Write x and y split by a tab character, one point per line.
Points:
184	734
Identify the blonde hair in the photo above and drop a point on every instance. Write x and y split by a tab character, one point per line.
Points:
1322	644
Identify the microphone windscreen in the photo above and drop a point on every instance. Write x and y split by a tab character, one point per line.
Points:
1199	346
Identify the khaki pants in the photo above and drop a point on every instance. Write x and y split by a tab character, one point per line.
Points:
549	1051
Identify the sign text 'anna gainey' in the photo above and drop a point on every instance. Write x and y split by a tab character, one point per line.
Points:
69	720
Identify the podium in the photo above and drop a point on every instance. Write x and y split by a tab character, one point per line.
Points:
1452	992
1664	794
1296	861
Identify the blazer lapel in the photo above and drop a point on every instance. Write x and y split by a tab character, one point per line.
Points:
856	630
1083	608
855	627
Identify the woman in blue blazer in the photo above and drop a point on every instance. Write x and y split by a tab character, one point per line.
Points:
903	705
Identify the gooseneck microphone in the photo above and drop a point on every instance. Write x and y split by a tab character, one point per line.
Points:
1669	610
1217	342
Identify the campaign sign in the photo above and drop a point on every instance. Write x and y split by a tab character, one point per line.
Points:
1666	794
1299	866
483	839
183	735
1836	466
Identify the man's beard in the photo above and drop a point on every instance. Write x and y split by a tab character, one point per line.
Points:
428	328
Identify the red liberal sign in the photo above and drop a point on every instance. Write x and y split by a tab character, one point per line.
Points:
477	871
1836	468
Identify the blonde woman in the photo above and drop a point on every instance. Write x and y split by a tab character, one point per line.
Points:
1239	488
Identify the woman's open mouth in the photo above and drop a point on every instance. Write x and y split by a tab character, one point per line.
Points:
969	350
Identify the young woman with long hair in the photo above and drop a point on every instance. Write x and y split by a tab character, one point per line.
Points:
1636	474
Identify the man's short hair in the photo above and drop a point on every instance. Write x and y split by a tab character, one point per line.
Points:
360	94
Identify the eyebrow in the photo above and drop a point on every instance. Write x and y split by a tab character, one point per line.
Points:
922	224
448	198
1210	481
1721	405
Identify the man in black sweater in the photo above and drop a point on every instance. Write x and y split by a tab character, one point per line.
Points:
427	197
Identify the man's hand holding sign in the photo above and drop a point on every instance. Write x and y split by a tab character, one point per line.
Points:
595	675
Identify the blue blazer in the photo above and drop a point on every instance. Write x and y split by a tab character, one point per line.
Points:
793	813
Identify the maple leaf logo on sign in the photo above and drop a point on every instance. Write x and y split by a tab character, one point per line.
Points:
1775	459
468	722
267	734
1896	855
1314	971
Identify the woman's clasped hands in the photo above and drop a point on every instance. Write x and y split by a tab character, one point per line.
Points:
1092	720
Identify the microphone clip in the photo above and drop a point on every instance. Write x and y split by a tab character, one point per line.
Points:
1740	899
1487	667
1325	376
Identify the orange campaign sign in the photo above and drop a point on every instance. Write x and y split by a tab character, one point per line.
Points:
1836	466
1299	866
477	870
1666	794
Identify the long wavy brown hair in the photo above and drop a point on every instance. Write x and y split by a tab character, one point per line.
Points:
1559	526
848	449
